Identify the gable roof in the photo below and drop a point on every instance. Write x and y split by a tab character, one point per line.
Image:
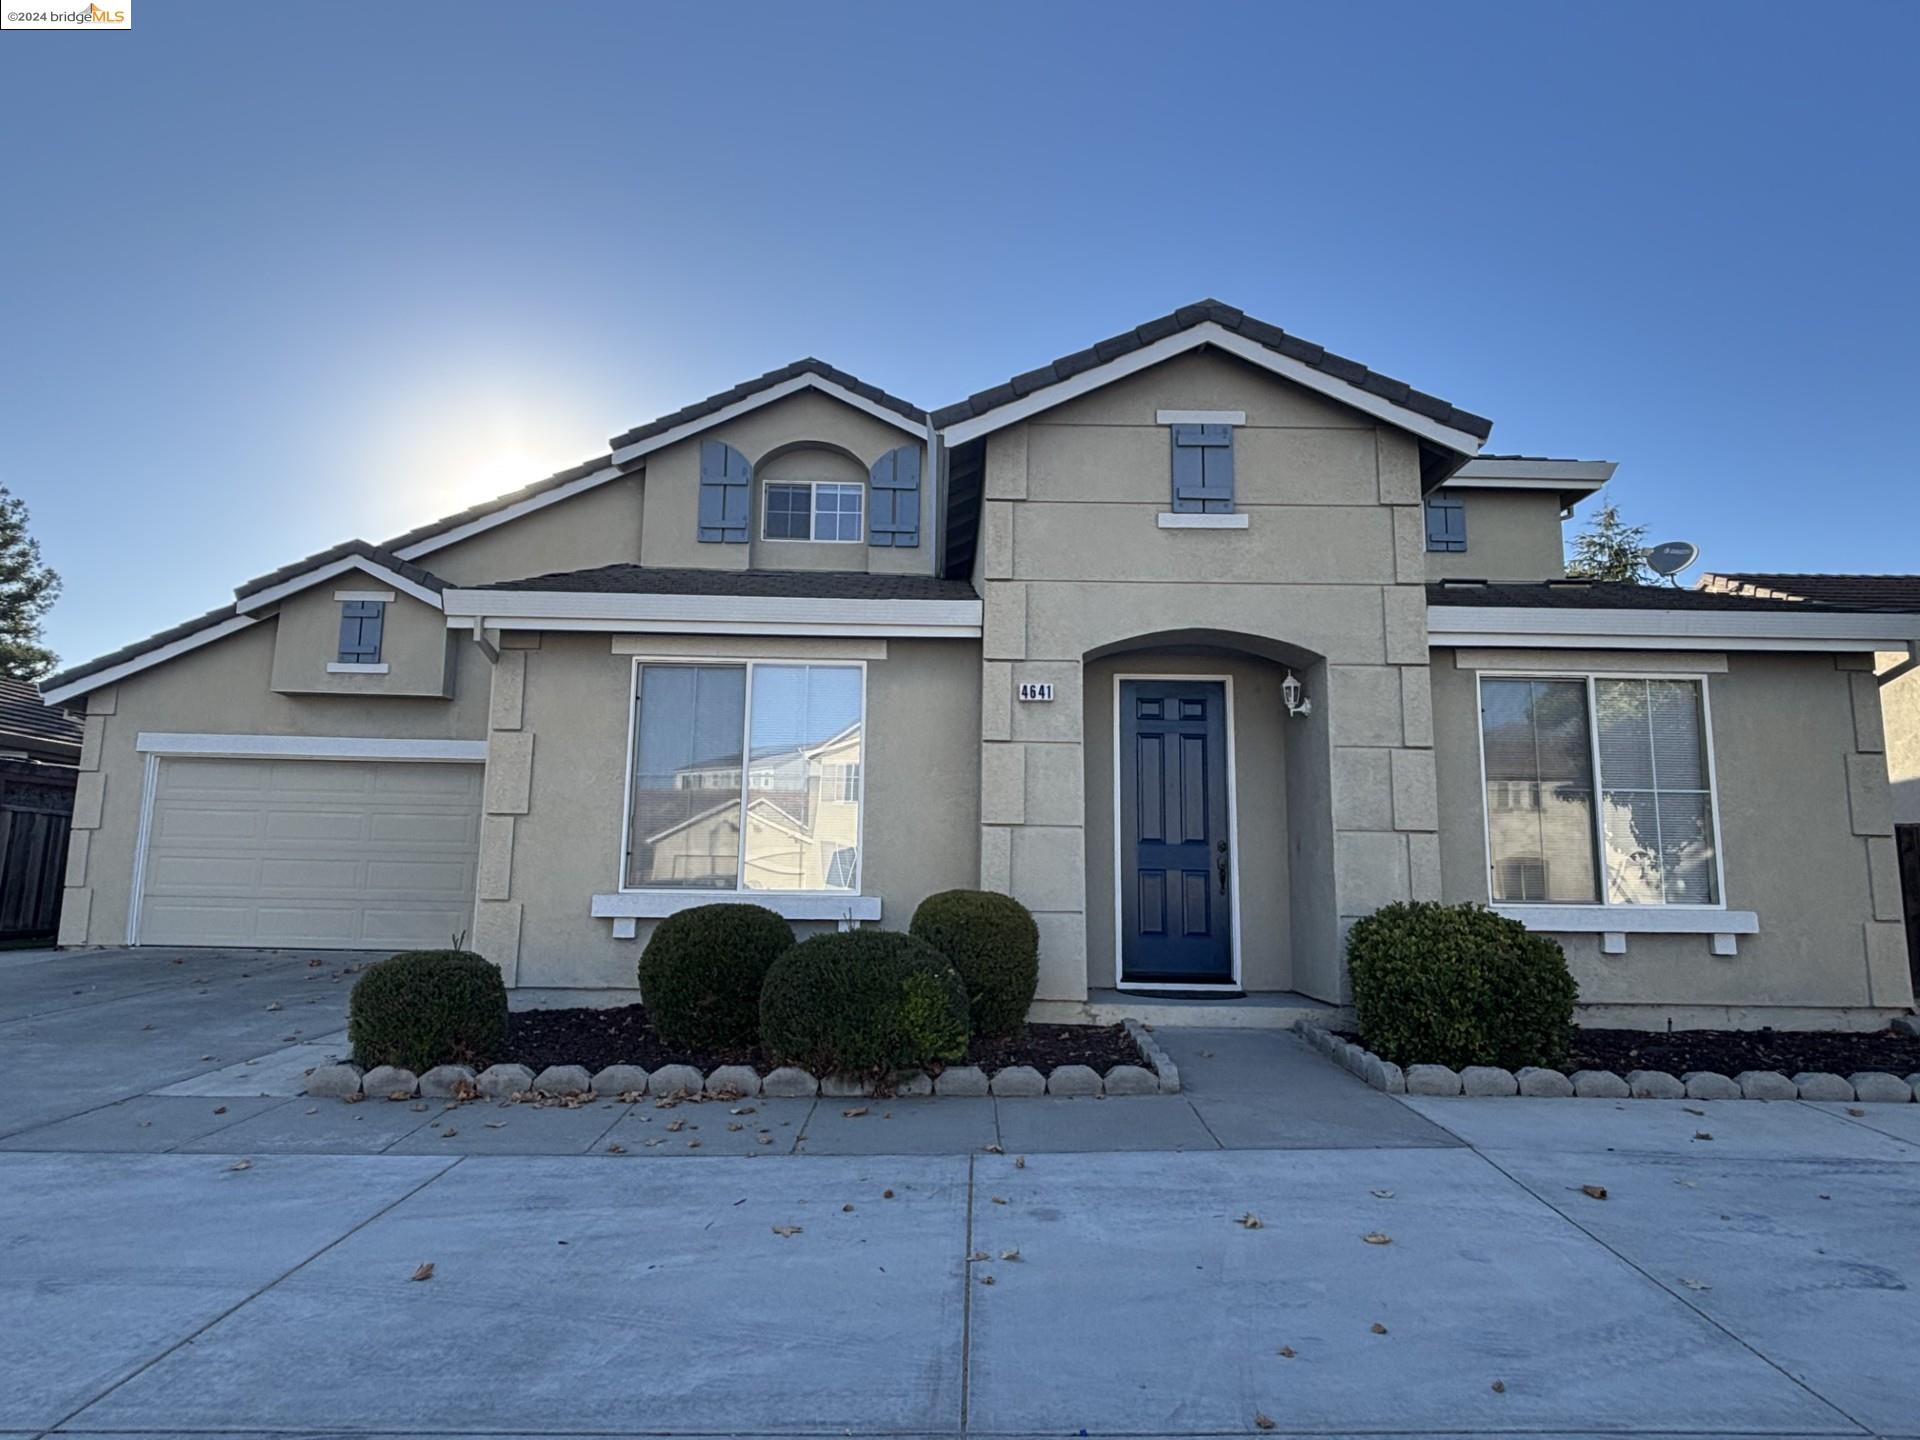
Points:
1215	323
1870	592
822	375
338	559
28	723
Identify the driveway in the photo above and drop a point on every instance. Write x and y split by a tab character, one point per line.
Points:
928	1268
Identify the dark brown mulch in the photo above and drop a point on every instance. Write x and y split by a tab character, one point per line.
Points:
1728	1052
621	1035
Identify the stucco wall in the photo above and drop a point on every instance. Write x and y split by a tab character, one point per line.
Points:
597	527
556	785
1900	701
415	644
1073	565
1805	832
1511	535
1261	769
222	688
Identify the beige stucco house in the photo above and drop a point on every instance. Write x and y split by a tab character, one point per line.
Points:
1202	642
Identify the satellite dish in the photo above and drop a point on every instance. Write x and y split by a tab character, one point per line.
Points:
1673	557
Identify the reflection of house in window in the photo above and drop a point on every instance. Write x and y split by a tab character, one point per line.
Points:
1523	878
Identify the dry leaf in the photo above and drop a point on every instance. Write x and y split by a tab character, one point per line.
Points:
1010	1255
977	1256
404	1095
1378	1328
1691	1111
1702	1135
1286	1352
999	1199
846	1209
986	1279
675	1126
1019	1162
994	1150
1499	1387
219	1109
313	1110
1263	1420
353	1099
1250	1221
1374	1237
855	1113
616	1149
275	1006
1381	1194
886	1194
693	1144
1594	1192
241	1165
496	1124
786	1231
425	1272
768	1140
1695	1284
1855	1113
733	1125
448	1133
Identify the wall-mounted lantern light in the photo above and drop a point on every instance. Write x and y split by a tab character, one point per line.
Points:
1295	695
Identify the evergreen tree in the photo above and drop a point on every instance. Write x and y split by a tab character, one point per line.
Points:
1610	549
28	588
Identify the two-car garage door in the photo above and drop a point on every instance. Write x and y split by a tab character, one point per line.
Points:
347	854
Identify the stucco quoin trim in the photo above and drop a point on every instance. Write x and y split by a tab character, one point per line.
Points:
1554	628
713	614
310	747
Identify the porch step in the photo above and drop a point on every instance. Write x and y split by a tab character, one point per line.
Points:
1262	1010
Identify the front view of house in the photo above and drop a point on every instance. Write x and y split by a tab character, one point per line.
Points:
1201	642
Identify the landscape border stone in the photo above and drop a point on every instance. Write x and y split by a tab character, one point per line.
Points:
1157	1058
1535	1082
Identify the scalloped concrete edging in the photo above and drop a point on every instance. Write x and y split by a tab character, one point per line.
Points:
1871	1087
1156	1075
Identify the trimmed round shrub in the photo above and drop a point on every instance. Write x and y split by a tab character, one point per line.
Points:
702	970
992	941
1459	985
424	1008
863	1002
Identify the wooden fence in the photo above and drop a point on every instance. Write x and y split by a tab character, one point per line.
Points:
36	813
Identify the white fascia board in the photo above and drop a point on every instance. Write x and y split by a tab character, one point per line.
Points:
159	655
1199	417
1254	353
260	599
311	747
1188	520
626	454
1631	919
1482	473
814	905
714	614
1500	625
509	513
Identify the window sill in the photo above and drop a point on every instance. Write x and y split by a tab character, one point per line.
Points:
342	667
626	907
1186	520
1613	923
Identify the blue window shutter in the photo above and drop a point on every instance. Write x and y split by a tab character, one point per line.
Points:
1203	469
893	514
725	478
1446	524
361	622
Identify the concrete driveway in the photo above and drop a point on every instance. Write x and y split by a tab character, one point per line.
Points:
165	1270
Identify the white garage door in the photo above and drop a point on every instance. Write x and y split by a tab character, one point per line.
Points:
328	853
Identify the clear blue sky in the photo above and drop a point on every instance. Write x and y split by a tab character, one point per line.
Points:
276	275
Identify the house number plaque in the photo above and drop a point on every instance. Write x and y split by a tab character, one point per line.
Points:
1036	690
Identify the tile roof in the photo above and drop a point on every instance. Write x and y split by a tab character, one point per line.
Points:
497	503
779	584
28	723
138	648
360	549
749	388
1870	592
1602	595
1186	317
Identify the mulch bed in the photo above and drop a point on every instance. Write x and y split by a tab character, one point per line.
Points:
621	1035
1728	1052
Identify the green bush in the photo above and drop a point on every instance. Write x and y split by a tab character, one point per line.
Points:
863	1002
701	974
992	941
424	1008
1459	985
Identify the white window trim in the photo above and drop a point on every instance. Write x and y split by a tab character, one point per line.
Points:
1119	846
1190	520
812	488
1199	417
625	896
382	597
310	747
1614	922
354	667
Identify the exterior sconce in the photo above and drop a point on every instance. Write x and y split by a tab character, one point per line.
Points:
1295	696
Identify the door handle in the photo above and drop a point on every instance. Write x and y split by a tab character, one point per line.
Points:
1221	866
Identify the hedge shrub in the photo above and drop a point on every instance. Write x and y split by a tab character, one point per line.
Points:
702	970
1459	985
424	1008
991	940
863	1002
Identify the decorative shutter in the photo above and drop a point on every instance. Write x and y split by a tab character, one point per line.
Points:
725	478
1446	524
893	512
361	622
1203	469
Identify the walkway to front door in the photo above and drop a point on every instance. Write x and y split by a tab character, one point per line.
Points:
1175	881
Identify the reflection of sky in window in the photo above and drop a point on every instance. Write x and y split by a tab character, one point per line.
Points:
802	704
689	716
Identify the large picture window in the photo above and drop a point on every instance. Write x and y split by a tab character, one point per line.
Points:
745	777
1642	833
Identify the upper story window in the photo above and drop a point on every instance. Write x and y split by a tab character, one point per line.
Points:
814	510
1446	523
361	625
1599	790
1202	469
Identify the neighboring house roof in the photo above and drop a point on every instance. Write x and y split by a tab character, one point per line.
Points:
776	584
29	724
1869	592
1596	595
1349	375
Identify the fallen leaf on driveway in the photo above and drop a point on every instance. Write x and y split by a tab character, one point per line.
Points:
1594	1192
977	1256
219	1109
1250	1221
677	1125
1381	1194
994	1150
241	1165
997	1199
886	1194
1374	1237
1286	1352
1019	1162
855	1113
1855	1113
1010	1255
846	1209
425	1272
1499	1387
404	1095
276	1005
1695	1284
786	1232
1263	1420
496	1124
616	1148
1702	1135
986	1279
1378	1328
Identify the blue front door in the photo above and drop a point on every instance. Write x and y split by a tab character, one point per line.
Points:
1176	868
